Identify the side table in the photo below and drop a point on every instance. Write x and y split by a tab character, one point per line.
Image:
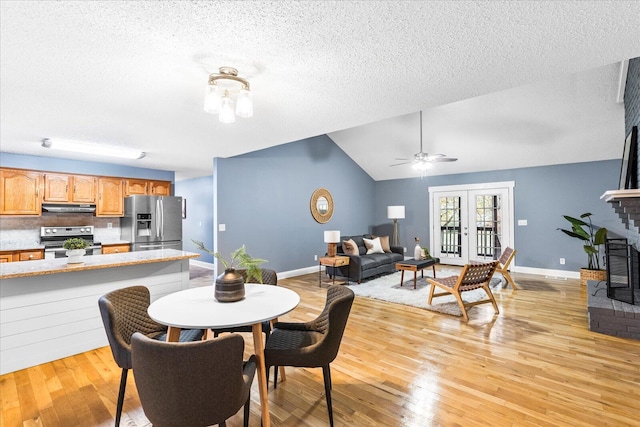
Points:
331	261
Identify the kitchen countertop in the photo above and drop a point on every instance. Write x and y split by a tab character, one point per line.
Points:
20	245
10	270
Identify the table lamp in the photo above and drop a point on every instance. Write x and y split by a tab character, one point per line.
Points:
332	237
395	213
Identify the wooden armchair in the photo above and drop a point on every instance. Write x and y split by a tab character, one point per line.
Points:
503	267
473	276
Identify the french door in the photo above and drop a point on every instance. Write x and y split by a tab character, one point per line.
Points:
471	222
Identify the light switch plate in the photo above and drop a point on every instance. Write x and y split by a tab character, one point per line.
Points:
222	227
522	222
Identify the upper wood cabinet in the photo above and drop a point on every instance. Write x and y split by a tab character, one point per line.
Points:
136	186
69	188
110	197
160	188
143	186
20	192
84	189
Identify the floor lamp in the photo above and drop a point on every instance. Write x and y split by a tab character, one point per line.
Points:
395	213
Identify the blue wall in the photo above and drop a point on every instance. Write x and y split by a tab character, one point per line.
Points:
263	200
198	225
54	164
541	196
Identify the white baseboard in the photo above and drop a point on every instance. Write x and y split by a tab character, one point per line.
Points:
561	274
202	264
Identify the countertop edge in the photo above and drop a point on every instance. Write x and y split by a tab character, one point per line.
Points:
121	261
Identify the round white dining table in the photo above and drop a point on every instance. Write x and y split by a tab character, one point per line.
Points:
196	308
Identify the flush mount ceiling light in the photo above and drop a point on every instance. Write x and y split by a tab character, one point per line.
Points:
225	90
92	148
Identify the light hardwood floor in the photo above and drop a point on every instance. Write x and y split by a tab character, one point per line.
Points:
535	364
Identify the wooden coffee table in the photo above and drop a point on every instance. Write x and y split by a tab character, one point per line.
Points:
415	266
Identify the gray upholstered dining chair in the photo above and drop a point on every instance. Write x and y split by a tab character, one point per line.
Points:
269	277
123	312
312	344
192	384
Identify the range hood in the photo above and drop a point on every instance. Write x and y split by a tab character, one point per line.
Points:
68	208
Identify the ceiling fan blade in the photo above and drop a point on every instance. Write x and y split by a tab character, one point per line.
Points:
403	163
443	159
402	158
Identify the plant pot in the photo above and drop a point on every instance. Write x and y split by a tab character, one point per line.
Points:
75	256
586	274
229	286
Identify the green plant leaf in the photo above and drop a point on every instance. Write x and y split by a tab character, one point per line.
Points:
575	221
585	215
600	236
572	234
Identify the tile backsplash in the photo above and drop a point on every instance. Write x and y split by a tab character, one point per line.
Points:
28	228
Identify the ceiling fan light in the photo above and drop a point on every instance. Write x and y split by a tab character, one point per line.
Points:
422	165
244	103
212	99
227	114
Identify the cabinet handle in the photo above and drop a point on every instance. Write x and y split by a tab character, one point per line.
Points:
30	256
117	250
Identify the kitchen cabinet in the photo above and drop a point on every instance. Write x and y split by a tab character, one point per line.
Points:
110	197
160	188
28	255
69	188
20	192
136	187
147	187
115	249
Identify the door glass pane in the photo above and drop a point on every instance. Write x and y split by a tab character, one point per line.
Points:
488	221
450	236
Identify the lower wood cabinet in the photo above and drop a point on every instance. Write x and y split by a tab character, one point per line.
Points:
29	255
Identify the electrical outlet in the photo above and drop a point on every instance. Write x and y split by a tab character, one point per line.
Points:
405	250
109	225
561	261
315	257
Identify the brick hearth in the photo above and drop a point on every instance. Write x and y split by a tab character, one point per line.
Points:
611	317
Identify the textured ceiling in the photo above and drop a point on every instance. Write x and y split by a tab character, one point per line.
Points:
501	84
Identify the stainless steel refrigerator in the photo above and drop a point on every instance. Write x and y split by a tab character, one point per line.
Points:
152	222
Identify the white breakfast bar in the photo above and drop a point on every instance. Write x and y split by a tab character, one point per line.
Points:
49	309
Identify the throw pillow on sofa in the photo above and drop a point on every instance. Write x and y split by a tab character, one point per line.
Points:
373	246
384	242
349	247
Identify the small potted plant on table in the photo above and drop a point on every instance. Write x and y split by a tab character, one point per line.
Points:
229	285
76	249
592	239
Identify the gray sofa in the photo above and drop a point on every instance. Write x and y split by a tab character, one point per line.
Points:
363	265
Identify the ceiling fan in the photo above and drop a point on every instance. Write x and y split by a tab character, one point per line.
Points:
421	160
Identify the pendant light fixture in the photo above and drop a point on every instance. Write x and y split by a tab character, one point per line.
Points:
228	95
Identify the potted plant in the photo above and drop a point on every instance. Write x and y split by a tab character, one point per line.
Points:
75	249
592	239
230	284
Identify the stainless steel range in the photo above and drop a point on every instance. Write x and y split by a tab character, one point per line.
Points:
53	237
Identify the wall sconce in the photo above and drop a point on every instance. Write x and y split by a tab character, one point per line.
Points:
225	90
395	213
332	237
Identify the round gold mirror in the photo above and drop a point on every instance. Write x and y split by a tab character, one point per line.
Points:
321	205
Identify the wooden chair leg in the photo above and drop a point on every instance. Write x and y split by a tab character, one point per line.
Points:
462	307
510	280
433	288
490	295
326	373
123	386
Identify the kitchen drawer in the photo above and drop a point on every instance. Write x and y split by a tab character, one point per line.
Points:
30	255
115	249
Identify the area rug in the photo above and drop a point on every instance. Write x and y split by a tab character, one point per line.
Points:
387	288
